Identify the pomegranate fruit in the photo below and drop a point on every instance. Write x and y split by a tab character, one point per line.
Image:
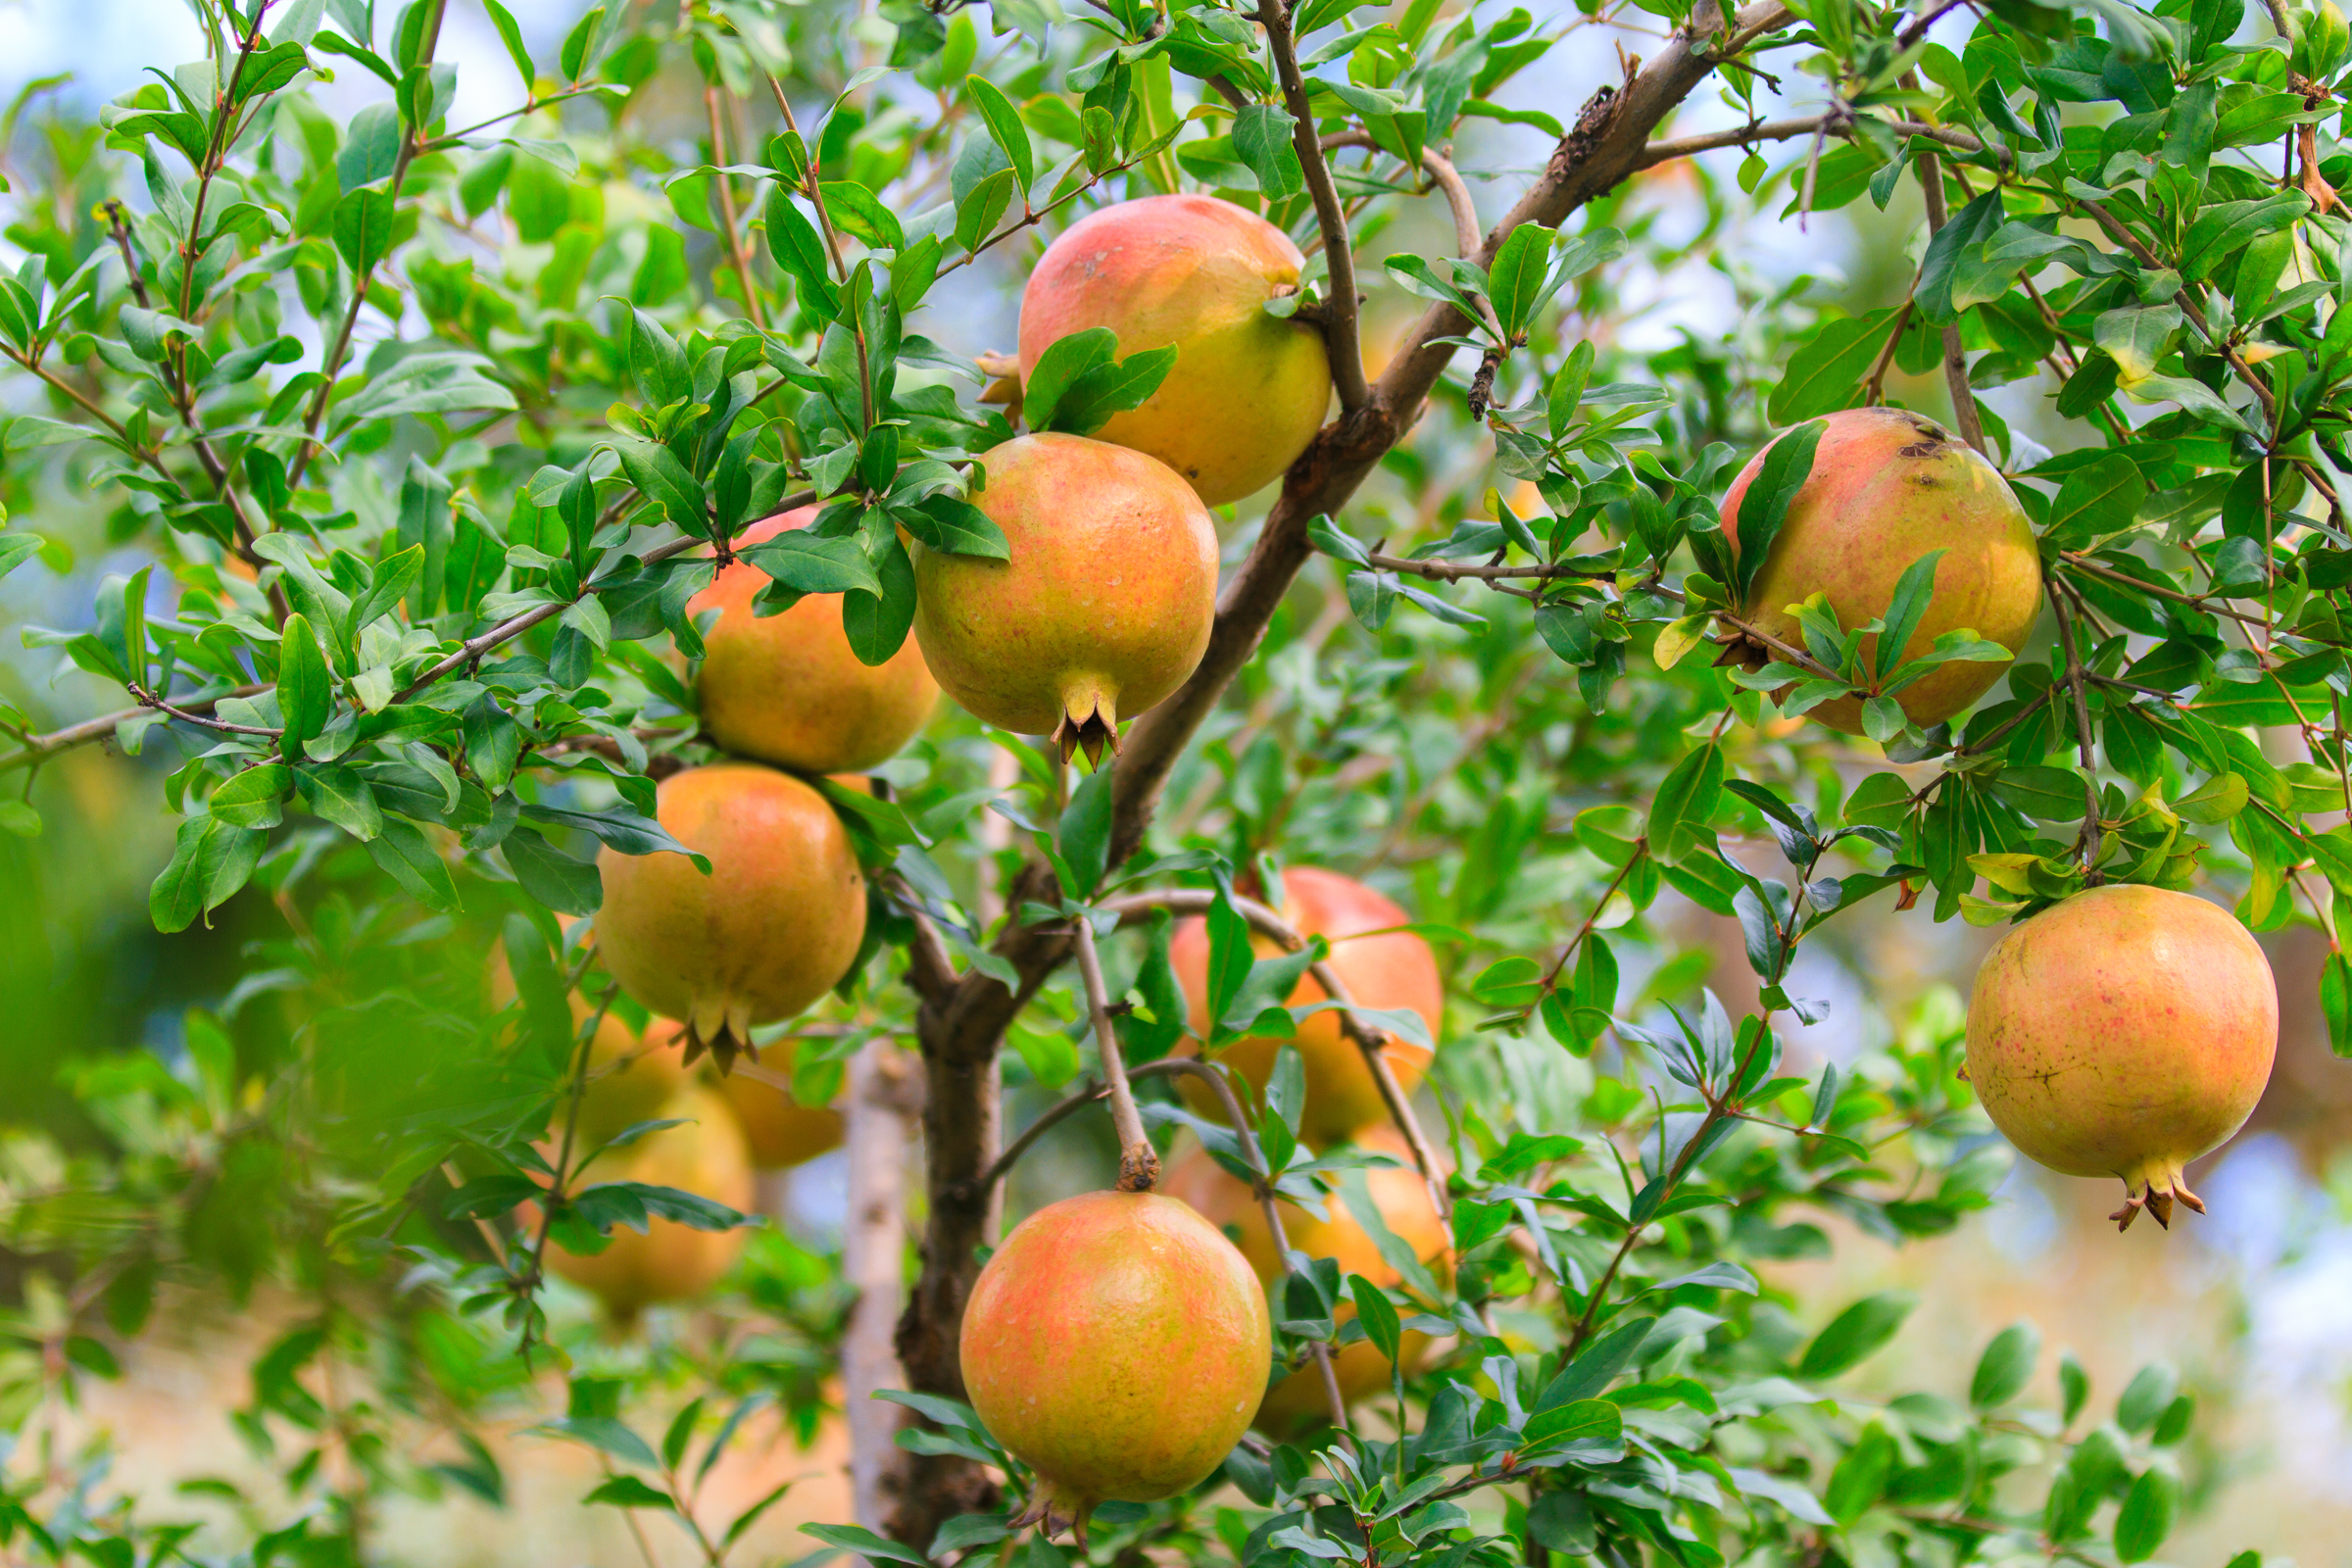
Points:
1394	969
1104	609
774	926
780	1130
1885	488
1247	391
1119	1346
1297	1401
787	689
631	1072
2124	1033
668	1261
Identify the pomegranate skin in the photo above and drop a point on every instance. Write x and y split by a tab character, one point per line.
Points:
1297	1401
1887	487
2124	1033
1104	607
774	926
1247	391
1393	970
1119	1346
780	1130
669	1261
786	689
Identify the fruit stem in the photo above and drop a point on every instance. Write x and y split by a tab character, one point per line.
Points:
1138	1161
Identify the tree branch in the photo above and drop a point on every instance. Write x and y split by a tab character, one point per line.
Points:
1342	331
38	749
1955	361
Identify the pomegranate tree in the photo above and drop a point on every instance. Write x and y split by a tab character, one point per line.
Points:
1394	969
1885	488
1118	1346
1104	609
788	689
1297	1401
1248	388
773	926
2124	1033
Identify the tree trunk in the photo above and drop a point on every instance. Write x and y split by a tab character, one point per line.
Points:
874	1260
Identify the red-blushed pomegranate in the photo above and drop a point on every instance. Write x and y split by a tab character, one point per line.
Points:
1247	391
1394	969
2124	1033
668	1261
1104	609
774	926
1887	487
780	1130
1118	1345
787	689
1297	1401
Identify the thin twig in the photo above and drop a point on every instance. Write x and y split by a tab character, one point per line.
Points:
1955	360
1138	1161
737	256
2088	842
38	749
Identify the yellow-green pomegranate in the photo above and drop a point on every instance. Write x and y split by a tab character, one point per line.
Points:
1886	487
2124	1033
1247	391
1119	1346
1104	609
774	926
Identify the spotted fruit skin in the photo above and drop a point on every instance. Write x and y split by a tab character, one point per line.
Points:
788	690
669	1261
780	1131
1297	1401
1247	391
1886	487
1119	1346
774	926
1105	607
1395	969
2124	1033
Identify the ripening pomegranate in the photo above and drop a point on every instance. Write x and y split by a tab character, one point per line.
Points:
1104	609
780	1130
1118	1345
2124	1033
1886	487
1247	391
1297	1401
774	926
668	1261
1395	969
631	1072
787	689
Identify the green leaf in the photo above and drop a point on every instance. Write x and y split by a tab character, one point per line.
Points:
409	858
1679	813
1972	225
1003	123
1090	399
251	799
952	525
1826	373
2097	499
1787	463
341	797
876	623
554	878
663	479
1063	363
305	689
1378	1314
799	250
1515	280
1855	1333
510	35
1264	139
2005	1367
16	548
1860	1477
2147	1515
1083	835
627	1491
1912	594
864	1542
210	861
364	227
977	214
814	566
